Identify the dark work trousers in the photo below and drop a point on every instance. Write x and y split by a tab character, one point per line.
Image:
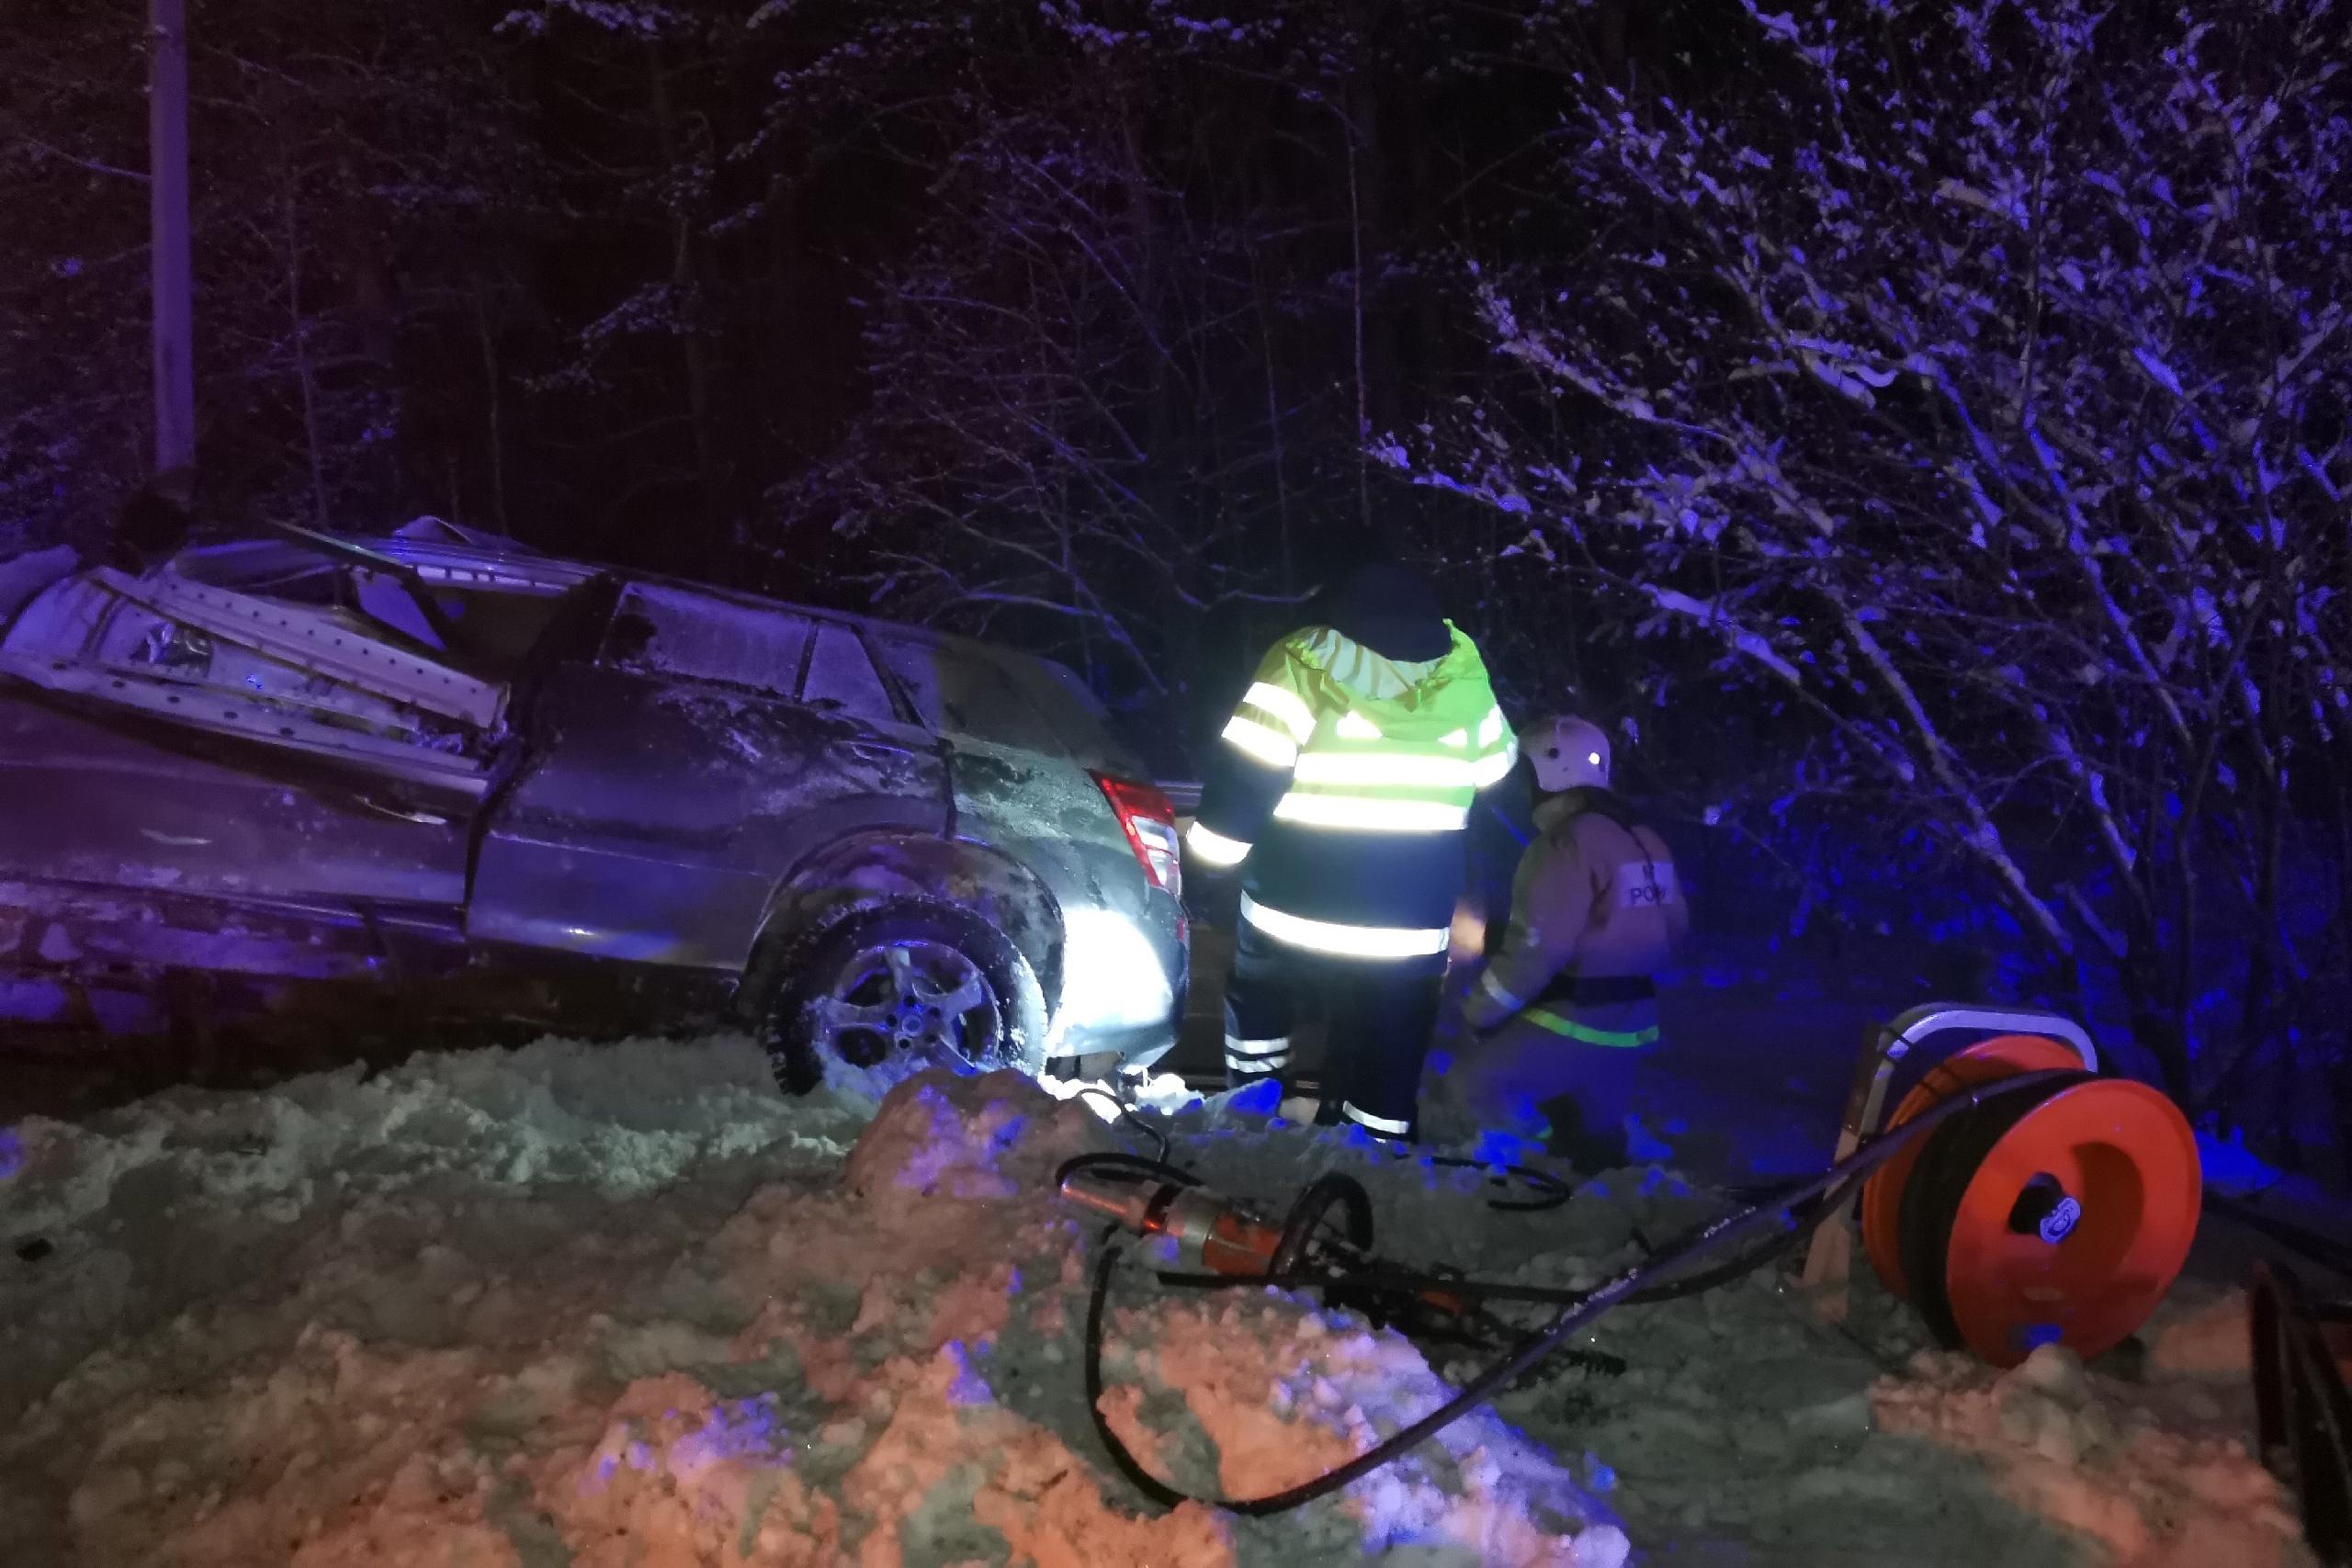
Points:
1381	1012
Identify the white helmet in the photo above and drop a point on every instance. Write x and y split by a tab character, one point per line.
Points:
1567	753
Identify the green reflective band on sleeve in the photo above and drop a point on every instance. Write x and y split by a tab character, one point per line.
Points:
1616	1039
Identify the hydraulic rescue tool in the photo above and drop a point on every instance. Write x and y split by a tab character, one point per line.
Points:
1213	1236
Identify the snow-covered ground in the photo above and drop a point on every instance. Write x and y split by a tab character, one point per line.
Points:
622	1304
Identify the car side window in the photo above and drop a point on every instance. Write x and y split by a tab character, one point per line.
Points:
842	680
660	630
960	690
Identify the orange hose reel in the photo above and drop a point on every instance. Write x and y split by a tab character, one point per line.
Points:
2059	1214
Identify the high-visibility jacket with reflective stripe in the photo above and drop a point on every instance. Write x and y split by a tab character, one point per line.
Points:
1343	782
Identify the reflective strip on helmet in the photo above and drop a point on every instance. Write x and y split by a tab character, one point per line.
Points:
1214	848
1345	942
1385	768
1372	815
1380	1125
1459	739
1495	988
1491	728
1353	725
1287	709
1268	746
1493	768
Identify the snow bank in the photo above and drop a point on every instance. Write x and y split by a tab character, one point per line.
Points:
608	1305
2154	1487
624	1305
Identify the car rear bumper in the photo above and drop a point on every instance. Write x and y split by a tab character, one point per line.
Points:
1147	1043
1123	981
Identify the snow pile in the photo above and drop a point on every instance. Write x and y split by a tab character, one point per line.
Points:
1252	1397
624	1305
608	1305
2156	1487
189	1196
1744	1426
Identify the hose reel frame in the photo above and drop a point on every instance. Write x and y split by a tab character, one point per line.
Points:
2063	1216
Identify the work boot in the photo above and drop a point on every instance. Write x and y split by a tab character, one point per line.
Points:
1590	1149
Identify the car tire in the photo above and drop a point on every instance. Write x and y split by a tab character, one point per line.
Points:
884	984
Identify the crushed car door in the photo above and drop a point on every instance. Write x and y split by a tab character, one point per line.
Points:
673	781
165	733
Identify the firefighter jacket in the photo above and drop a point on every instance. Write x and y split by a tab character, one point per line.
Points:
1596	910
1344	780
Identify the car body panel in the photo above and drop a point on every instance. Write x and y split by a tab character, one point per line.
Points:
655	821
93	801
277	756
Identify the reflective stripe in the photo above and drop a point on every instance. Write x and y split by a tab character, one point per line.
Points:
1288	709
1495	988
1491	728
1616	1039
1346	941
1268	746
1353	725
1381	1124
1214	848
1277	1046
1493	770
1459	739
1261	1066
1385	768
1372	815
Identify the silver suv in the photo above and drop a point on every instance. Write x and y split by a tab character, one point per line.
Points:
412	760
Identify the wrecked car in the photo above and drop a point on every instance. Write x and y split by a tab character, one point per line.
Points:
391	762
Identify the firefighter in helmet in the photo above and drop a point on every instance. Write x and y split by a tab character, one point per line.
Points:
1341	786
1568	1001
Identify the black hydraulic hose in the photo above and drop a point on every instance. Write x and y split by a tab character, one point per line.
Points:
1409	1281
1555	1191
1307	1212
1132	1165
1539	1345
1803	1219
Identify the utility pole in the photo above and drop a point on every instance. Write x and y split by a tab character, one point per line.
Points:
168	216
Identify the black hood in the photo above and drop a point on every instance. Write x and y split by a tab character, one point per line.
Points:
1387	608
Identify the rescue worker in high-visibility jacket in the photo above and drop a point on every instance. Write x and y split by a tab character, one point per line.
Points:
1341	786
1566	1005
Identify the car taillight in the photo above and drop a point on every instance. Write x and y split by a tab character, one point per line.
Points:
1150	824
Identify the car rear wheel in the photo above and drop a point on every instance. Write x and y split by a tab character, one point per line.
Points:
911	984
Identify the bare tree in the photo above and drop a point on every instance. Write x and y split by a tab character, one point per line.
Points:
1973	404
